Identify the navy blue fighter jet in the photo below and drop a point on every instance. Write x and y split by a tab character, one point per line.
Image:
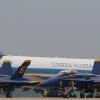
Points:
68	82
9	80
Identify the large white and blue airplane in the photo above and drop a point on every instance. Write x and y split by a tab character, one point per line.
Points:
45	65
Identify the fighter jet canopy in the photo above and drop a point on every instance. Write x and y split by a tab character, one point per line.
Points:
67	72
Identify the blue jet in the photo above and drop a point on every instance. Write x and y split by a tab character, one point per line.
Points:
9	80
70	83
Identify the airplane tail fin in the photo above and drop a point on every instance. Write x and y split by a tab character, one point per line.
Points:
6	68
96	68
21	70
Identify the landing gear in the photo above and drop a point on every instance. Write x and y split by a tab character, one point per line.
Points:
82	93
92	93
7	92
69	93
72	89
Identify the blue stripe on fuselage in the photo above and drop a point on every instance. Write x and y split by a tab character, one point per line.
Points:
49	71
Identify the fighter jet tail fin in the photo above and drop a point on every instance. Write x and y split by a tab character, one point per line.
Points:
21	70
6	68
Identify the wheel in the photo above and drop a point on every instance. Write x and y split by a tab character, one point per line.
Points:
82	93
8	93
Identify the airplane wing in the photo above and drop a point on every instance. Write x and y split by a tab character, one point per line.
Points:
40	77
43	77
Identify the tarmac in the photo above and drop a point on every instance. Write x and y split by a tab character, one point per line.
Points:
41	98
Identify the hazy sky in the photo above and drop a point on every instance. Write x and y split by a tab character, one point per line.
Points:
62	28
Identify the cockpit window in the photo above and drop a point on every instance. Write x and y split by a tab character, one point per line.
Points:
67	72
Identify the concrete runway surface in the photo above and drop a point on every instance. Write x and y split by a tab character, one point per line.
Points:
38	98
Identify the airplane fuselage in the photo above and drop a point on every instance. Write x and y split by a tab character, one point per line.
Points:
44	65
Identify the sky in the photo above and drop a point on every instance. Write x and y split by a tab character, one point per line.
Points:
50	28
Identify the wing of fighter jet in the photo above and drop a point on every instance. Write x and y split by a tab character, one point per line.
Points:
9	81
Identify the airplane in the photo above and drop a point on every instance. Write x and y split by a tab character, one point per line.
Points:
47	70
51	66
9	80
70	83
